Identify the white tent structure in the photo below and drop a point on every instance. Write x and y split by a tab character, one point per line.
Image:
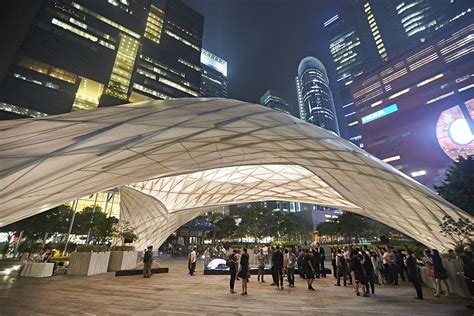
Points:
174	159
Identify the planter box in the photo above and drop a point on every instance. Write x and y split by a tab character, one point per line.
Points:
37	270
123	260
88	263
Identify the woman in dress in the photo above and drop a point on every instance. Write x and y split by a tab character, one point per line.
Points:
440	274
428	263
244	271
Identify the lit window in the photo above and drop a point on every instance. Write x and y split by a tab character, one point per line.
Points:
418	173
399	93
74	30
393	158
353	123
178	86
376	103
429	80
88	95
182	40
123	67
105	20
154	24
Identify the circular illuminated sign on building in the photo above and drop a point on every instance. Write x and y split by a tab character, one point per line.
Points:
453	132
459	132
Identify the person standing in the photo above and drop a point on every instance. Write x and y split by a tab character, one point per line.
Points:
341	266
322	257
291	268
414	274
441	276
315	261
192	261
261	265
277	260
244	271
232	264
357	272
207	257
368	272
147	262
301	269
265	253
309	270
333	262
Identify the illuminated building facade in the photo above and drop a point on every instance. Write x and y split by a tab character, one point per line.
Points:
214	75
274	100
312	84
368	32
416	111
83	54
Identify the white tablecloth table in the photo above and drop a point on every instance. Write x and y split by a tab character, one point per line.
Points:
37	270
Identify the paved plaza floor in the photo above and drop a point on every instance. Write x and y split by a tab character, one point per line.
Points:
177	293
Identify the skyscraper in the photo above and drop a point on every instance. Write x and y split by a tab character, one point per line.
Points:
416	111
368	32
312	84
273	99
83	54
214	75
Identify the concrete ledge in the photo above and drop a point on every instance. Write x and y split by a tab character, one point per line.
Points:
140	271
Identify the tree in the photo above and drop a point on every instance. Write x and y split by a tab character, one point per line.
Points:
461	230
95	223
458	188
55	220
124	232
256	222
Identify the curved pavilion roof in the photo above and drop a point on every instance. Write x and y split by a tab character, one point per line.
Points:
173	159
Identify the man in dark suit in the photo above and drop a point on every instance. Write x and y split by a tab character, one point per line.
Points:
322	257
278	266
412	268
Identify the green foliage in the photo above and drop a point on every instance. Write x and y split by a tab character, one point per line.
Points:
125	232
461	231
458	188
122	248
225	224
352	226
55	220
100	225
93	248
257	221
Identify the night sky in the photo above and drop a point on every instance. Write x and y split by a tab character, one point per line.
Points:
263	41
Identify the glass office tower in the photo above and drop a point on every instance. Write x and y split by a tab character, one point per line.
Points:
274	100
82	54
369	32
317	101
214	75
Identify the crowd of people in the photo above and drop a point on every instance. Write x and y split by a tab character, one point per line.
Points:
359	267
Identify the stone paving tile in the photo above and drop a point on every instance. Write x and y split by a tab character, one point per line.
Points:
177	293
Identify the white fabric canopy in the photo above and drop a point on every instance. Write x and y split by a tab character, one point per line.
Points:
174	159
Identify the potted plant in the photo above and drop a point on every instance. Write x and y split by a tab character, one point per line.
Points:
123	257
89	260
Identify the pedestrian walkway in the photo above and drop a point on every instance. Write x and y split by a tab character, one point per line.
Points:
179	293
